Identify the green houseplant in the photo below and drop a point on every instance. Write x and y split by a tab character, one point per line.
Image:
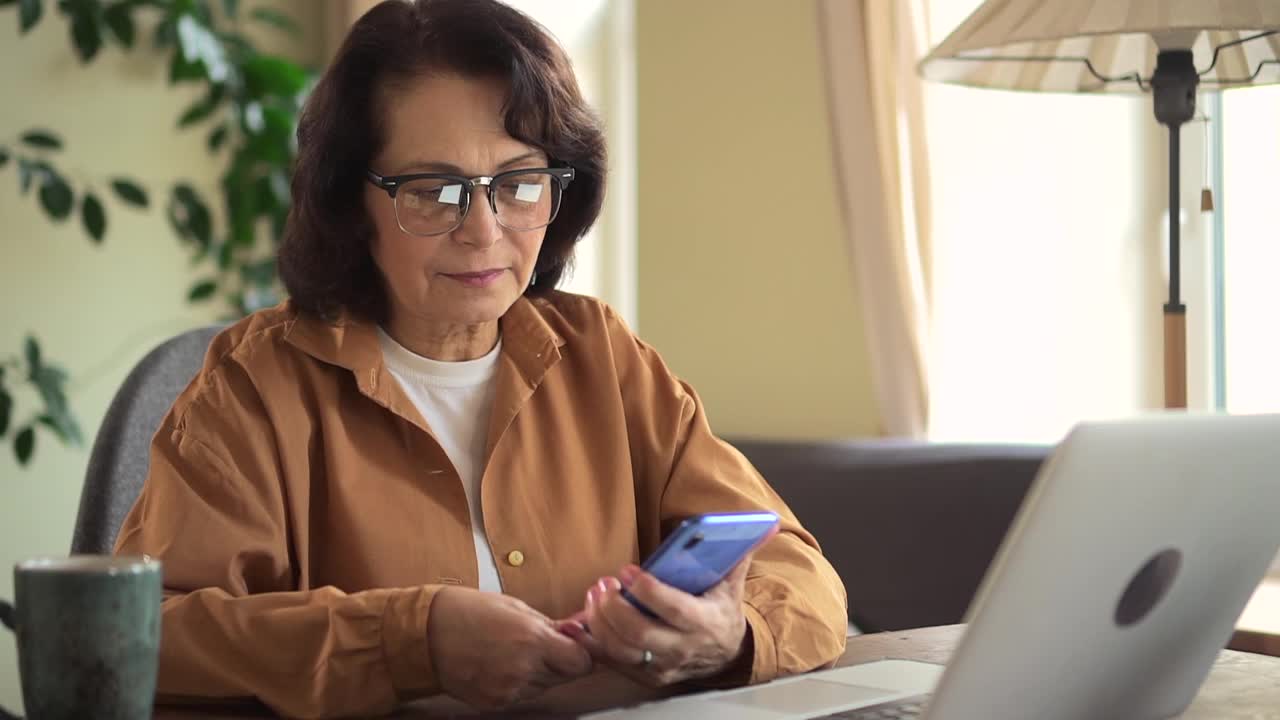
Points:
247	115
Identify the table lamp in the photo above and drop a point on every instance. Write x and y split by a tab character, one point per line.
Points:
1168	48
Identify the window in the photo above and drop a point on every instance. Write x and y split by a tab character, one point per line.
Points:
597	34
1047	234
1250	342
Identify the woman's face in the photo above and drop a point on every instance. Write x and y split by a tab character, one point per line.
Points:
448	123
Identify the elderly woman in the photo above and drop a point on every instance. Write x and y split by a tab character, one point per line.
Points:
429	471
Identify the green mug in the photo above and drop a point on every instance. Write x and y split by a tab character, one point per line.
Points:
88	631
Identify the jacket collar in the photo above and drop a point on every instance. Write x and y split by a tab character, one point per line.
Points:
530	347
352	343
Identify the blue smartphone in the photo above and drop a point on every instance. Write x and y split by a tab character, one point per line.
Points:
703	549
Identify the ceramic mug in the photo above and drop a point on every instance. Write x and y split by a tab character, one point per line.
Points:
88	630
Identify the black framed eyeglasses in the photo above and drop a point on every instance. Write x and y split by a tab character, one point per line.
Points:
437	203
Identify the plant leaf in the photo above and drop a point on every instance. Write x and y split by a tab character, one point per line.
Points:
195	114
56	196
276	19
242	231
216	138
73	430
26	174
120	21
199	8
6	411
50	376
94	217
64	426
231	7
201	47
130	192
49	422
32	350
270	139
226	254
264	198
202	290
57	416
32	171
86	35
271	75
165	33
203	108
237	188
190	216
43	139
24	443
181	69
235	44
29	12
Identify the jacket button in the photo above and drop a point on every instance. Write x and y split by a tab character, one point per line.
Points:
515	558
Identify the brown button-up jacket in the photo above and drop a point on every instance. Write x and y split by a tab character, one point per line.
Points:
306	517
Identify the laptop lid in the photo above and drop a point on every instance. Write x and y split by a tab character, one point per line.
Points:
1123	575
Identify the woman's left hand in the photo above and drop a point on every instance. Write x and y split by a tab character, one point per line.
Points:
694	637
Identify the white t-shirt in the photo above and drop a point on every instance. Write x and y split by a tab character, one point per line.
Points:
455	398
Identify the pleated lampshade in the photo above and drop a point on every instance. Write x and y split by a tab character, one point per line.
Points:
1108	45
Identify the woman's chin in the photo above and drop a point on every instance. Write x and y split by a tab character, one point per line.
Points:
472	307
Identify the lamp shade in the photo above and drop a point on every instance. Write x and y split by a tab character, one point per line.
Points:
1108	45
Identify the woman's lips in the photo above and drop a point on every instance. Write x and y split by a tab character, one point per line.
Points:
480	279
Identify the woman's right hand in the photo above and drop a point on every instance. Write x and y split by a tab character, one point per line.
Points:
492	651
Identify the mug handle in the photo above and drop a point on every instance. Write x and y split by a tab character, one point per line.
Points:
7	617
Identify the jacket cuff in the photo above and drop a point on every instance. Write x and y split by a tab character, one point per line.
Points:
764	662
404	642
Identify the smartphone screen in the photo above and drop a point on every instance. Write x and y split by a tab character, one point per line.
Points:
704	549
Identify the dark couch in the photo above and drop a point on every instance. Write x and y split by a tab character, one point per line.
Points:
911	527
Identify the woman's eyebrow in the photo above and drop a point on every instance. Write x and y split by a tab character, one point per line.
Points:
521	158
444	167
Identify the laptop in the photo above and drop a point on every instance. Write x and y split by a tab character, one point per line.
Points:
1119	582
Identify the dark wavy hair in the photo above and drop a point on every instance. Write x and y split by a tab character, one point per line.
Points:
325	259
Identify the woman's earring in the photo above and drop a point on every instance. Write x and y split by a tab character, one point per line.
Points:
533	279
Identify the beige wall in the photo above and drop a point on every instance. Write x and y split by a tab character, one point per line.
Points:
745	285
96	309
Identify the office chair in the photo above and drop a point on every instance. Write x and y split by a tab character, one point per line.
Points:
121	451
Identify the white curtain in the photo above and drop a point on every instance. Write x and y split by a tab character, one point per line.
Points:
875	99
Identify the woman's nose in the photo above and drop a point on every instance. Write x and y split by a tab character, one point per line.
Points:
480	227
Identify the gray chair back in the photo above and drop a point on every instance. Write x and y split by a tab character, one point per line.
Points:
122	449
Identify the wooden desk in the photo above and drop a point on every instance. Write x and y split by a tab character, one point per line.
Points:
1241	685
1258	630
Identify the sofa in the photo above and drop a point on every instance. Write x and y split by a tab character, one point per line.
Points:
911	527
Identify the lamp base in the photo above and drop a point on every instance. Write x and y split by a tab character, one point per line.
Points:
1175	357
